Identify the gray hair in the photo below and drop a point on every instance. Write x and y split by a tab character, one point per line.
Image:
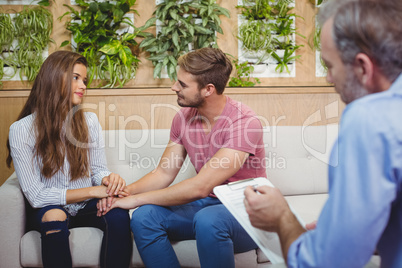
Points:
372	27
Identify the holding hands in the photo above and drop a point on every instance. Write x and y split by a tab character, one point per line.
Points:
115	184
115	188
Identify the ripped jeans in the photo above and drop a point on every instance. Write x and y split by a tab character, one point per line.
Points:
116	242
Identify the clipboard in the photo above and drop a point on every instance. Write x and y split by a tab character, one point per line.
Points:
232	197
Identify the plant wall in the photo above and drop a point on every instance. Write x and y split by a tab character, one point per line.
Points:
262	39
98	34
315	44
24	41
267	35
182	26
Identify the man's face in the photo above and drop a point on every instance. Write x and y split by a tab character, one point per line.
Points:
342	76
186	88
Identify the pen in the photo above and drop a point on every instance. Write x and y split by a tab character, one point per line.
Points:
255	189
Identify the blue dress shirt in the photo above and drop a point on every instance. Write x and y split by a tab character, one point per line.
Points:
364	209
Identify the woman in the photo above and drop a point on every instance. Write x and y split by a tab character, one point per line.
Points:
58	156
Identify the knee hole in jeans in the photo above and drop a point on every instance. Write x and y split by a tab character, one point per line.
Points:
54	215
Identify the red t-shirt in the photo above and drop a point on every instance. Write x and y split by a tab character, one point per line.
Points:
236	128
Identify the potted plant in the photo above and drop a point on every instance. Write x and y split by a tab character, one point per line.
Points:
243	71
270	21
284	62
178	31
95	30
7	36
25	38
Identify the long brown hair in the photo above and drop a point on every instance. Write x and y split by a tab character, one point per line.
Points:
50	100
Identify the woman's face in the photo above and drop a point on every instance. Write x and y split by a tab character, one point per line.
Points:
78	84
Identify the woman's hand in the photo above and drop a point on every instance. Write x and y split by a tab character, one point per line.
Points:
115	184
115	202
103	205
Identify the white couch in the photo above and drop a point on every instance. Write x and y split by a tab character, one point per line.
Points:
296	164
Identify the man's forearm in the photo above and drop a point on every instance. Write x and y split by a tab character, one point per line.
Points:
289	230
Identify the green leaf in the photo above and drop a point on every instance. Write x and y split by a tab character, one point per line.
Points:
123	56
175	39
224	11
157	57
44	3
147	41
202	30
93	7
171	70
172	60
65	43
149	23
111	48
173	14
157	70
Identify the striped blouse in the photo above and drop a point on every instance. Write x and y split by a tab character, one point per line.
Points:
41	191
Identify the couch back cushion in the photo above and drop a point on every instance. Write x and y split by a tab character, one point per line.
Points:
296	157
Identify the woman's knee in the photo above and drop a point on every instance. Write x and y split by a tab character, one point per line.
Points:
54	215
54	221
117	218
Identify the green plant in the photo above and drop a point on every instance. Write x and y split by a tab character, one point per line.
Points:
242	76
317	2
181	26
1	71
287	58
7	35
256	10
255	35
110	54
7	32
33	27
269	26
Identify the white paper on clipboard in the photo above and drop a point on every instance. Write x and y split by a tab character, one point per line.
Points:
232	196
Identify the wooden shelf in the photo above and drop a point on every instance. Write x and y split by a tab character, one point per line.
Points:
15	93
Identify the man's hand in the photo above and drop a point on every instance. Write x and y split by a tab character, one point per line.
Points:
311	226
115	202
115	184
268	210
265	207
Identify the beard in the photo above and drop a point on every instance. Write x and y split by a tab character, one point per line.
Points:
352	89
196	102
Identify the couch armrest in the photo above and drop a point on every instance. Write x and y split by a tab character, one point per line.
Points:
12	223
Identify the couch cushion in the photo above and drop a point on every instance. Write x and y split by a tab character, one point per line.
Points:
134	153
85	244
297	157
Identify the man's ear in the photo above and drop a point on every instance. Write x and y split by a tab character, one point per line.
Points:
364	71
209	90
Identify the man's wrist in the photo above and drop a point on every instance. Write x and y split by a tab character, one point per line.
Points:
289	229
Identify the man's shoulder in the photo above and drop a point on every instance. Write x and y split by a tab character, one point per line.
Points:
186	113
239	107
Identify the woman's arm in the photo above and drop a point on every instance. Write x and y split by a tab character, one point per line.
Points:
82	194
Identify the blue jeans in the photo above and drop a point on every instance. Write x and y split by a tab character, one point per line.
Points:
116	243
217	232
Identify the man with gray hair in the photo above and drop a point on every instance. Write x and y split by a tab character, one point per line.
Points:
361	46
